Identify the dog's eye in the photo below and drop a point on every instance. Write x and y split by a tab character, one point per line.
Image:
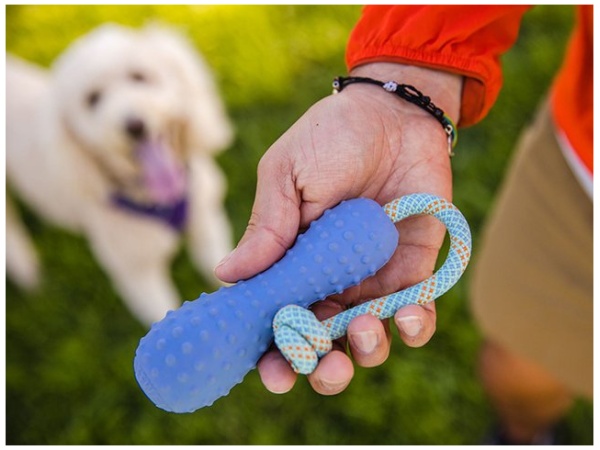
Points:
138	77
93	98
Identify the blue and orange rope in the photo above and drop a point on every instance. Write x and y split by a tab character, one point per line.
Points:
303	339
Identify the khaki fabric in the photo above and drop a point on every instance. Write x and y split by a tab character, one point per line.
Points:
532	279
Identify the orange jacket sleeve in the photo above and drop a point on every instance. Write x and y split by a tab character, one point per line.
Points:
573	90
467	40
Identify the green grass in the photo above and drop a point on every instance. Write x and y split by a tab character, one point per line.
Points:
69	348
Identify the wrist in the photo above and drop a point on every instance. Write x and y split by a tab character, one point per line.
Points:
444	88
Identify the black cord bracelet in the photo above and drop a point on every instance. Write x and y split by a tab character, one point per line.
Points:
410	94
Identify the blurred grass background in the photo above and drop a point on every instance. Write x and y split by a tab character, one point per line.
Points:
69	348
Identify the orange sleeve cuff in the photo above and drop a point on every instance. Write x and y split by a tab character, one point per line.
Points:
467	40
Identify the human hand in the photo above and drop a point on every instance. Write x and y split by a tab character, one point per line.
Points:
362	142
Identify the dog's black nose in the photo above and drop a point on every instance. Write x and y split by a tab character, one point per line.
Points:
135	128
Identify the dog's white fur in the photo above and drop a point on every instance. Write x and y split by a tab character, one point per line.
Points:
67	152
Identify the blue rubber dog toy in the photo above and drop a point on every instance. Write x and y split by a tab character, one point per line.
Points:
198	352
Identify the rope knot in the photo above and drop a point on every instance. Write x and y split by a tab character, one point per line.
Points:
301	338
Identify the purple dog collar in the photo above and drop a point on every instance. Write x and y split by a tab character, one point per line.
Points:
174	214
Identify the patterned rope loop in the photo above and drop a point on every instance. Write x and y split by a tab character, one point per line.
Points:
303	339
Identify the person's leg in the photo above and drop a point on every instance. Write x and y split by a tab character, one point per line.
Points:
531	289
528	399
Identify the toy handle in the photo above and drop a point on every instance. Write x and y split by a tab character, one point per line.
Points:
303	340
197	353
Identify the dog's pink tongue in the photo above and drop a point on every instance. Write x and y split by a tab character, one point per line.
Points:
163	175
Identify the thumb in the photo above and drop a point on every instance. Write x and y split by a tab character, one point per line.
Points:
273	224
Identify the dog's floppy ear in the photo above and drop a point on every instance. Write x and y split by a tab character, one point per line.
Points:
208	126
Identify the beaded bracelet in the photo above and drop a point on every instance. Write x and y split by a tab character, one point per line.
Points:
410	94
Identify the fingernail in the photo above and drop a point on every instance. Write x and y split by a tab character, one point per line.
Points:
410	325
283	389
227	258
334	386
365	341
